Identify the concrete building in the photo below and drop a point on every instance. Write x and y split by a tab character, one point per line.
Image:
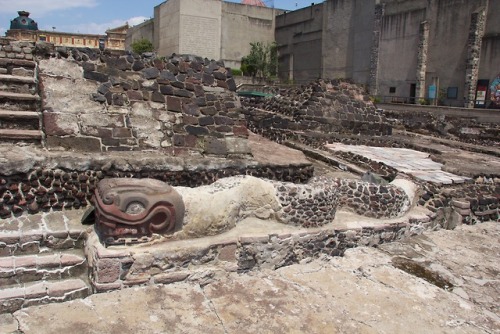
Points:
25	28
402	50
209	28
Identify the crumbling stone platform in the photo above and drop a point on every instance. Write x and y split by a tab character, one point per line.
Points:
34	180
364	291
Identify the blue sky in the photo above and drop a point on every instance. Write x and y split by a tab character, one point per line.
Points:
94	16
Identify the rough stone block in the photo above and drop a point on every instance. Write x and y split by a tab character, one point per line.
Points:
196	130
87	144
157	97
190	120
208	79
228	253
231	85
240	131
122	133
183	93
215	146
62	288
59	124
134	95
209	111
95	76
107	286
237	145
207	120
166	90
167	278
102	120
174	104
151	73
108	270
462	204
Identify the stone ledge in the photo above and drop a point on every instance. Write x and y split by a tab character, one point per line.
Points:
15	298
253	244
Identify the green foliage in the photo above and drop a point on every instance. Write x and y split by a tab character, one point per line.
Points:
442	94
262	61
424	102
376	99
236	72
142	45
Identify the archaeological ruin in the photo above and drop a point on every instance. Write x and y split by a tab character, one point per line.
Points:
120	171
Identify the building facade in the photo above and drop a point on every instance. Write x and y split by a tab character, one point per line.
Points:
24	28
414	51
213	29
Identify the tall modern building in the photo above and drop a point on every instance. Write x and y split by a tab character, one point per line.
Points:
209	28
402	50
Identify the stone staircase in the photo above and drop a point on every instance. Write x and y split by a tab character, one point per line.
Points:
20	102
42	260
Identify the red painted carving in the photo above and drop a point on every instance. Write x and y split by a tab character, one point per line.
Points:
131	210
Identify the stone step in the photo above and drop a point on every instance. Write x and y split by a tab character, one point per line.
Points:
50	266
20	120
9	96
19	134
33	234
18	296
6	62
17	79
18	84
15	114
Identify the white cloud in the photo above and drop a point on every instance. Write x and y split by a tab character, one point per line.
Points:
41	7
96	28
133	21
87	28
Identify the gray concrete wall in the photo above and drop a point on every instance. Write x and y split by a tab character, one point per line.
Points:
299	36
448	43
200	28
490	51
348	39
242	25
398	50
338	39
167	27
141	31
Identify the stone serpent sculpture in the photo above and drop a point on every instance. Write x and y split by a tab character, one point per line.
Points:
216	208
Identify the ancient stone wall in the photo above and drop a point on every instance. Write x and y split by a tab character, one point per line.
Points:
15	49
476	33
480	127
133	103
113	269
45	188
322	107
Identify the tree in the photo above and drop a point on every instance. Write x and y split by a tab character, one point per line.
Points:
262	61
142	45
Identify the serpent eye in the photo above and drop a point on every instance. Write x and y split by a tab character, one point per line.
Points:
109	198
135	208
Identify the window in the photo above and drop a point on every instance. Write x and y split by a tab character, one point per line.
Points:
452	93
42	38
392	90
